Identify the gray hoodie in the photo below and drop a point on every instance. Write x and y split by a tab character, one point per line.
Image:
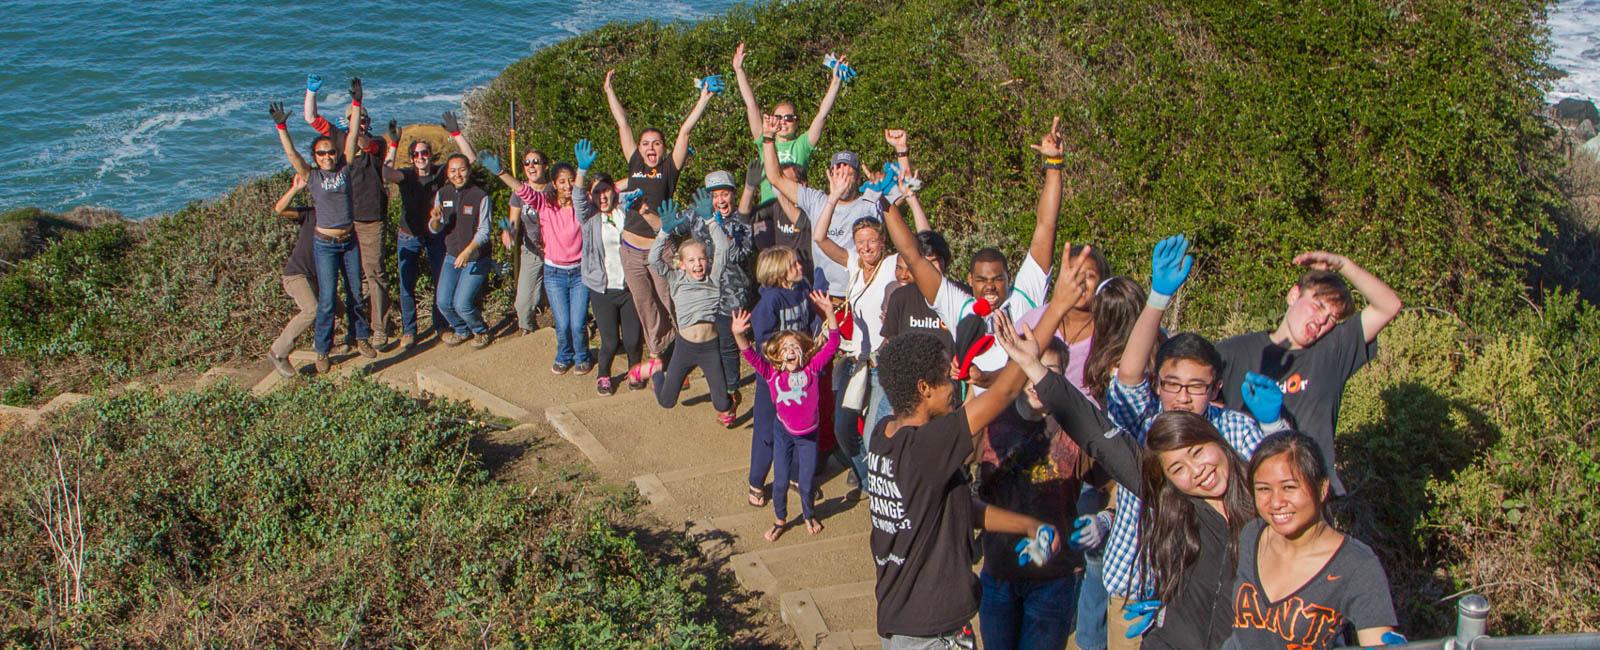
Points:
694	301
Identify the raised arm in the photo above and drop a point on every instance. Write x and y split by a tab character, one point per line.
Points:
769	161
352	118
1043	245
814	134
1169	269
680	147
927	277
752	109
984	408
719	257
279	116
838	184
1383	304
584	153
281	208
453	127
624	132
392	138
902	151
313	84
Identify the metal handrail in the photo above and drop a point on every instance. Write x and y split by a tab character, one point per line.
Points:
1472	633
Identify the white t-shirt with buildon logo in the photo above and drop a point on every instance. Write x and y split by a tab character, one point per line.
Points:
954	302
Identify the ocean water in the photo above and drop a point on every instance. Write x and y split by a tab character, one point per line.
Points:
144	106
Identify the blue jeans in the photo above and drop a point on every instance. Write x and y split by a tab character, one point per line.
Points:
764	426
457	294
879	409
409	250
1027	614
1092	604
800	453
569	306
852	447
333	258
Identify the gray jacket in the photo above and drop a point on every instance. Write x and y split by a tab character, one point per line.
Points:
593	263
693	301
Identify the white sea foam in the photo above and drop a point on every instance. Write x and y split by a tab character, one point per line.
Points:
1575	49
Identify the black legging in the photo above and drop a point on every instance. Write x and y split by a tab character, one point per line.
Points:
727	352
614	314
685	356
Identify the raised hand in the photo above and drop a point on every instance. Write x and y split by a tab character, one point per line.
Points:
279	116
710	85
1037	549
1144	613
671	220
741	320
394	133
1050	144
298	182
1321	260
770	125
630	197
1072	280
738	56
490	162
313	82
896	138
450	124
838	181
1089	531
1170	265
609	74
355	90
910	184
703	205
1263	397
822	302
1019	347
584	154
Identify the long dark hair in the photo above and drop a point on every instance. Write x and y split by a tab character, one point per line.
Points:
1169	524
1116	308
1305	458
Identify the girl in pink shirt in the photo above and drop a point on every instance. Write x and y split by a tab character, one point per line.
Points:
793	371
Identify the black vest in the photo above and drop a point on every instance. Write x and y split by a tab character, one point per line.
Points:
458	209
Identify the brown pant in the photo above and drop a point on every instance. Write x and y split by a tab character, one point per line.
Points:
1117	628
369	236
299	288
650	298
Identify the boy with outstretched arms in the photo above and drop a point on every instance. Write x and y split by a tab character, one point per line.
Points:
988	276
1315	348
1186	378
922	510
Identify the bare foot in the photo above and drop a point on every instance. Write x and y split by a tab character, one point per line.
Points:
813	526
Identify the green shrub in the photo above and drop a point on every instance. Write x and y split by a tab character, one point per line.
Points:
321	515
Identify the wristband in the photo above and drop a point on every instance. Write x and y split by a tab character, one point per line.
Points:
280	126
355	103
902	154
768	138
455	134
1053	166
1158	301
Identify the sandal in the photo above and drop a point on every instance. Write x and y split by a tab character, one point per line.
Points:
775	531
756	497
813	526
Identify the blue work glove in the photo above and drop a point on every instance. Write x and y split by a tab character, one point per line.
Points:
1089	531
1144	613
670	219
313	82
1263	397
343	123
712	84
703	206
505	224
630	197
490	162
846	73
1169	267
1036	549
1392	638
584	153
831	62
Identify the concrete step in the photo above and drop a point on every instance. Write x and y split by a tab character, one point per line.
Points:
823	617
819	563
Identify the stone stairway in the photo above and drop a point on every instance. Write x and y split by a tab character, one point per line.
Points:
690	469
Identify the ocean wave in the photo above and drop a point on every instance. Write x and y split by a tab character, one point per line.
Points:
1575	49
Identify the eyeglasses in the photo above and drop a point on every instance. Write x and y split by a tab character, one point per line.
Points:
788	118
1169	386
326	152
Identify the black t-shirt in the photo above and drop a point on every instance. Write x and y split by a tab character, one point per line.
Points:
1351	587
769	227
1031	467
416	199
908	311
1312	379
368	200
658	182
300	261
921	512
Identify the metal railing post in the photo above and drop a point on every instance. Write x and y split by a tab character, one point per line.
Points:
1472	620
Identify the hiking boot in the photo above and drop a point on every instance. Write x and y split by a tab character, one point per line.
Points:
365	349
281	364
603	387
408	341
451	339
481	341
379	340
323	364
584	367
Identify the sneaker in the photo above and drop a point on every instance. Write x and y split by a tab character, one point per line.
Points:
850	479
603	387
726	419
559	368
281	364
584	367
323	364
379	340
365	349
408	341
451	339
640	374
481	341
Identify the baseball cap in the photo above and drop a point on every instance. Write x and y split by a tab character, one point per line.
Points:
719	180
846	158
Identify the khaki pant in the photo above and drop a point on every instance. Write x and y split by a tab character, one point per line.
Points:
1116	627
650	298
369	236
305	299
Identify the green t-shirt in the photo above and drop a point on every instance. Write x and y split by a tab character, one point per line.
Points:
796	151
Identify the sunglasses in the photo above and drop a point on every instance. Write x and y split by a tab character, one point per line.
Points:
532	162
326	152
421	153
788	118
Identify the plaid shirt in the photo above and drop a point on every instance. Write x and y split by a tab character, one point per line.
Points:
1134	408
